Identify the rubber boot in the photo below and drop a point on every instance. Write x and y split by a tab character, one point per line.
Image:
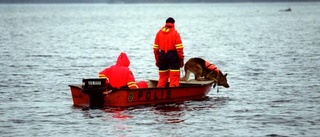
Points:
163	78
174	78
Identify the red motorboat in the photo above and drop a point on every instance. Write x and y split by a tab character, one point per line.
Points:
95	94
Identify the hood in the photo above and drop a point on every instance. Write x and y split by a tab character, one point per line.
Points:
168	28
123	60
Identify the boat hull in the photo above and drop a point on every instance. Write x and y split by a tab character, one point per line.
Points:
145	96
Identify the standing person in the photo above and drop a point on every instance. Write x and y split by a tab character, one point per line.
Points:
120	76
168	53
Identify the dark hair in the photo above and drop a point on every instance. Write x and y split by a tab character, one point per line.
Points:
170	20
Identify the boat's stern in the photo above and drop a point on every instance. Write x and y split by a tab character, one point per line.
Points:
79	98
89	94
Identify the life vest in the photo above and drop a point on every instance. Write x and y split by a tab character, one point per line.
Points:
211	67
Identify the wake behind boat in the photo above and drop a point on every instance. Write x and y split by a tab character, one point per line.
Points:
94	93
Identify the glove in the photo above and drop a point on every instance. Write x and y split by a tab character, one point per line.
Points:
181	62
157	62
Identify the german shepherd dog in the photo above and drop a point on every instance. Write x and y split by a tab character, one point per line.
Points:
203	70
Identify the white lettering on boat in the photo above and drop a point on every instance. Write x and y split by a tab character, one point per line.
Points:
94	83
150	95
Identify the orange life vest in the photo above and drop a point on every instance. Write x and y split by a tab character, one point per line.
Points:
211	67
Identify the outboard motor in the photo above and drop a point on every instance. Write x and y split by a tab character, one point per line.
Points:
94	88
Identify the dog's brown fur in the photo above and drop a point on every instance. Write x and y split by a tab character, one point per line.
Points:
201	72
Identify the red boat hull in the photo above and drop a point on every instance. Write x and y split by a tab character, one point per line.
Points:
146	96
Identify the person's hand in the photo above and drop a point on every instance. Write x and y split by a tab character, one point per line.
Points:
181	63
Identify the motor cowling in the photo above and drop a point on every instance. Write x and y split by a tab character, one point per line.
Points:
94	87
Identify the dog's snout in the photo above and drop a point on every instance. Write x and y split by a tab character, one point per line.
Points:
227	86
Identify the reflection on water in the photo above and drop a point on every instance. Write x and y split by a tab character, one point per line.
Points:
164	113
171	113
167	113
124	120
117	113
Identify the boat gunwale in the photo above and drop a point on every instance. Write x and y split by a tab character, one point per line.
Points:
186	85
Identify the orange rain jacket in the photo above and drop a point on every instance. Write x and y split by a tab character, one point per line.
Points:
119	75
168	39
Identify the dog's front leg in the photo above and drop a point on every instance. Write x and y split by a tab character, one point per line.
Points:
197	77
186	76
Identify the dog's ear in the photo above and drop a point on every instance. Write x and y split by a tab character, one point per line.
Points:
226	74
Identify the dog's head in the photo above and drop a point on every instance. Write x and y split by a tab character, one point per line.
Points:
221	80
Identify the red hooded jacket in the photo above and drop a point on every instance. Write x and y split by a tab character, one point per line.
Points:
119	75
167	39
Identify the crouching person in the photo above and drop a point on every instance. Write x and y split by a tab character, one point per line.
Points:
120	76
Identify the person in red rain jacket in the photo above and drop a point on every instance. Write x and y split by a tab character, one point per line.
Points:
168	53
120	76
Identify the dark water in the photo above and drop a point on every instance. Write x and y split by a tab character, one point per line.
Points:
272	59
